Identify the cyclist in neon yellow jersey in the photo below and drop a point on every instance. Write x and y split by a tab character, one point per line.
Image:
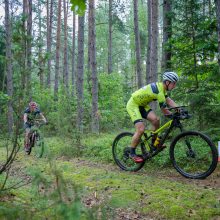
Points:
138	107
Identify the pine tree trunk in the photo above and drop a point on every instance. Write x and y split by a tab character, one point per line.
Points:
149	45
49	39
73	54
89	53
80	73
137	45
167	34
110	39
24	45
29	48
217	2
152	53
57	64
40	54
92	48
9	65
65	62
154	41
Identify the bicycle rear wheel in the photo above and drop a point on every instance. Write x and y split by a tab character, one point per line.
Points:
193	155
38	149
121	150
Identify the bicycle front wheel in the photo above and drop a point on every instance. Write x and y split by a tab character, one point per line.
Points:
121	151
38	148
193	155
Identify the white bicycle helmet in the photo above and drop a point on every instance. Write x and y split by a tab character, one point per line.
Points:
170	76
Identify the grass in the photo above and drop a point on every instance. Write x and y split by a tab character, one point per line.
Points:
62	184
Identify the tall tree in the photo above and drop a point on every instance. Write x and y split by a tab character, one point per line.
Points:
29	47
65	57
137	45
9	65
110	37
92	48
24	42
167	34
73	53
49	38
57	63
80	73
40	45
152	53
217	3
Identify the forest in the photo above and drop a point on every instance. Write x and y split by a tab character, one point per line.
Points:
80	61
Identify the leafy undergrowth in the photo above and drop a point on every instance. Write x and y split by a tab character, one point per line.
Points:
93	187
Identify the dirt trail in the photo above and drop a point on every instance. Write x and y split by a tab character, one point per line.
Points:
212	182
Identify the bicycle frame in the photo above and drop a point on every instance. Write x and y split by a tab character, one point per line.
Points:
170	125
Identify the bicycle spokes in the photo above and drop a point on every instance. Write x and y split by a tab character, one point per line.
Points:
121	152
193	155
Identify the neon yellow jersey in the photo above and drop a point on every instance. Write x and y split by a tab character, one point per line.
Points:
149	93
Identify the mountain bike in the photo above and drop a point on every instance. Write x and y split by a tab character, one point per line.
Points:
192	153
36	140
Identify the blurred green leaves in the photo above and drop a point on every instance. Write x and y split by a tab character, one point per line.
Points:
78	6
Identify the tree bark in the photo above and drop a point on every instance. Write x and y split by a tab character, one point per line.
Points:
29	48
110	38
167	34
217	3
40	43
149	45
137	45
65	61
92	48
152	53
9	65
57	64
80	73
73	54
49	39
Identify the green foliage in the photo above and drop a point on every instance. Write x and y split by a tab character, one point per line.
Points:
78	6
111	100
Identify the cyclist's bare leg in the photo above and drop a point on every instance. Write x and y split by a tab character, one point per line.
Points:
27	136
135	140
155	121
140	126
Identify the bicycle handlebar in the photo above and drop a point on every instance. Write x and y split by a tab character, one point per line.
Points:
181	114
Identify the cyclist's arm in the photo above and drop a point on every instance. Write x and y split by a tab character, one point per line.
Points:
43	118
170	102
25	118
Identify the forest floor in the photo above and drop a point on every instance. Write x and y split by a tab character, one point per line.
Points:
115	194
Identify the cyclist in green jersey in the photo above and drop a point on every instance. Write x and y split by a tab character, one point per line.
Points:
138	108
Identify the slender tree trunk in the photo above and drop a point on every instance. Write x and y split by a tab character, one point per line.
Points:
24	42
9	65
73	54
40	54
89	53
167	34
49	39
193	34
110	38
137	45
57	64
65	63
149	46
29	48
92	46
152	54
217	3
80	73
